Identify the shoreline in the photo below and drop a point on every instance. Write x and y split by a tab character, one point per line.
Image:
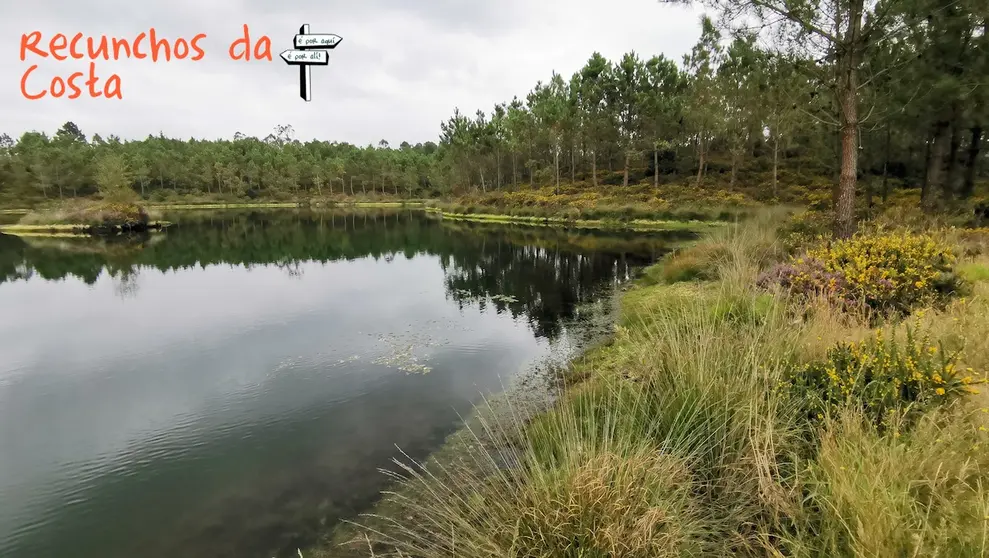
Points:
483	215
517	404
643	225
80	230
703	366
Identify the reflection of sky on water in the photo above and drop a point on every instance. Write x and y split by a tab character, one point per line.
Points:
195	353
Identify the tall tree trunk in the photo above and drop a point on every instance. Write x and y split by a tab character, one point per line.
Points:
734	170
776	163
700	160
625	179
936	164
885	186
573	164
972	164
498	163
655	168
483	187
515	174
845	204
556	161
927	163
594	168
950	186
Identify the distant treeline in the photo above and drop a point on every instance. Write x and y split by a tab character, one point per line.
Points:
731	109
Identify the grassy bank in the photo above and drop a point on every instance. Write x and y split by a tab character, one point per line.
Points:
286	205
737	413
583	202
635	224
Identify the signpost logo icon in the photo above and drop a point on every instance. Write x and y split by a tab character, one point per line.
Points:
310	50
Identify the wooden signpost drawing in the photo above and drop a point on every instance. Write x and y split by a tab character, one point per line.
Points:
310	50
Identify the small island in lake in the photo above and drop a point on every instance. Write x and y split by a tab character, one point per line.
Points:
118	210
93	218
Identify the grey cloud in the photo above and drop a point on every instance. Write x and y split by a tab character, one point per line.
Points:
481	18
401	69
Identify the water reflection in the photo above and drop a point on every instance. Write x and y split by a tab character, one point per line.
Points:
542	274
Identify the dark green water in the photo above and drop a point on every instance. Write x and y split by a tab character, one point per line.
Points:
230	388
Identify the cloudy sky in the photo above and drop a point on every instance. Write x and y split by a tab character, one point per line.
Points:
401	69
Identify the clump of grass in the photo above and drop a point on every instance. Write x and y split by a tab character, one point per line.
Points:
869	493
609	497
688	265
734	252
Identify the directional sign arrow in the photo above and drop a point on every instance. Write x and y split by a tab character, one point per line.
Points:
306	57
310	50
317	40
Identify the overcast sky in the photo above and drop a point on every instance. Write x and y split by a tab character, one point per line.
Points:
402	68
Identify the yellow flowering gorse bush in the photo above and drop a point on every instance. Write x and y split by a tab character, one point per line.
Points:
884	272
894	269
881	376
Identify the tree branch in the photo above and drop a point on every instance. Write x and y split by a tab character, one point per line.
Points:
808	26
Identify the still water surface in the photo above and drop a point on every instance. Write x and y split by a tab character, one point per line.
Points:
230	388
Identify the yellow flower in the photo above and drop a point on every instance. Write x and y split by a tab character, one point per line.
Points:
939	391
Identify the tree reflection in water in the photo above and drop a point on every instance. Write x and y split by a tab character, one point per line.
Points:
540	273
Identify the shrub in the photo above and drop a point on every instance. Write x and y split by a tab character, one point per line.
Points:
882	272
882	377
805	227
686	266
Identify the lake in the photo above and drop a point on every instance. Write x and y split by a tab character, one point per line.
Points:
231	387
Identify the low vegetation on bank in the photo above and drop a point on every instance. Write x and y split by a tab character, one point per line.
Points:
85	217
761	397
89	214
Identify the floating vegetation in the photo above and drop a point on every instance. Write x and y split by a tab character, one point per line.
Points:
402	349
468	295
